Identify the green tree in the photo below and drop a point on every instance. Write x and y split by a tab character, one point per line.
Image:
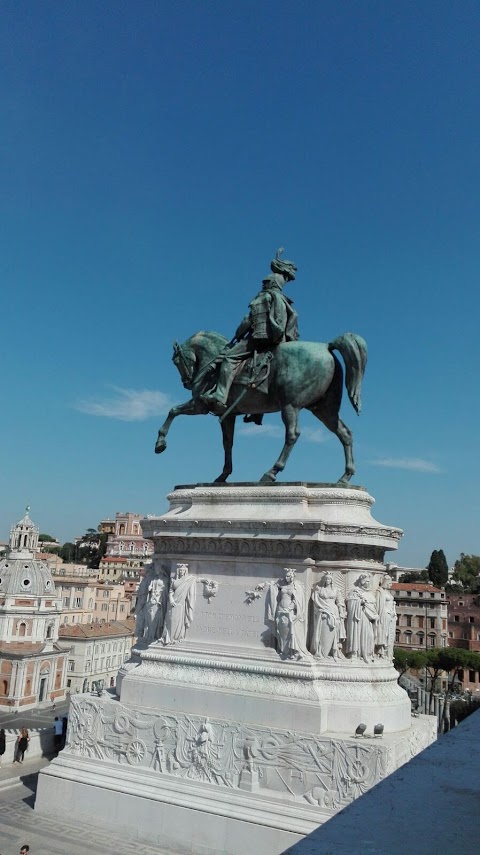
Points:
438	568
412	576
404	659
91	548
67	553
467	571
452	660
46	538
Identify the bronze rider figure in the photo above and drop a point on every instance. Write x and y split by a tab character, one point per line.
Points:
270	321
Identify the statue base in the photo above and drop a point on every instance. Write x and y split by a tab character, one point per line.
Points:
223	741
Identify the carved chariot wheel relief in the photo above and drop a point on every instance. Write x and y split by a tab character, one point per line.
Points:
136	752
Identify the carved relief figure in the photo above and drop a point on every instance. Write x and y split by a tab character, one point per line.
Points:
181	602
387	619
142	597
155	609
328	620
362	617
285	606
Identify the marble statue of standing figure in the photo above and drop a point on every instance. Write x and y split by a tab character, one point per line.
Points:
285	609
155	609
362	617
387	619
142	599
181	603
328	620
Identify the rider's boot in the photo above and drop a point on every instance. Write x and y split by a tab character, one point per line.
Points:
217	401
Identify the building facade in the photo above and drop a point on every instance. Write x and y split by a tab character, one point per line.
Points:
127	549
85	600
464	632
32	663
96	652
422	615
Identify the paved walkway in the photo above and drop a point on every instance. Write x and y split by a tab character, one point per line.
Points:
38	717
20	824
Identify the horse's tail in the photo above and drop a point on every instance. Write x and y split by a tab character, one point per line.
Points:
353	349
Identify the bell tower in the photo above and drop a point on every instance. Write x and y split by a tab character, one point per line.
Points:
24	535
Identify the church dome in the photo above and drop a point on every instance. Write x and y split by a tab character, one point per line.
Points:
25	575
21	572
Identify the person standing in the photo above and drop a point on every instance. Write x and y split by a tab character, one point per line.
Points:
3	744
57	733
22	745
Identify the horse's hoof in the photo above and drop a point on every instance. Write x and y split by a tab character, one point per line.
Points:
221	479
160	446
268	478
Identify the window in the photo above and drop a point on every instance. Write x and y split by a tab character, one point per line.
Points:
90	603
71	665
420	622
22	629
66	601
88	665
432	623
408	638
409	593
420	593
106	593
78	602
409	620
108	664
104	607
432	596
471	676
450	634
431	640
73	618
65	619
471	619
456	618
122	608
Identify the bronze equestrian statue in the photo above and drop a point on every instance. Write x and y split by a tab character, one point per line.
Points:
266	369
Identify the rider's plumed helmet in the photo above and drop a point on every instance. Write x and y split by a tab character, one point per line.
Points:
281	265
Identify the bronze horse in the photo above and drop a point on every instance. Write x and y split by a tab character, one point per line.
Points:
303	374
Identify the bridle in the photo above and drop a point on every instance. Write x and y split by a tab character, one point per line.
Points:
184	364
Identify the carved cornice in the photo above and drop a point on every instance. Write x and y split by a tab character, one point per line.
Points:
312	671
271	548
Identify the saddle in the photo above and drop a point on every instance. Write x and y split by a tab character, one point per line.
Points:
255	371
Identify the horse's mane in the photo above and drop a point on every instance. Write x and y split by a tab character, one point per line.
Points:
214	338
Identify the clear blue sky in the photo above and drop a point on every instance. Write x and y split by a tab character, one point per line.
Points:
153	156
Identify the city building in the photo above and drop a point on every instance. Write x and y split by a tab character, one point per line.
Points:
421	615
127	550
86	600
464	632
33	665
96	652
396	571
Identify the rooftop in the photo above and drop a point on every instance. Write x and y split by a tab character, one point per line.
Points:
95	630
415	586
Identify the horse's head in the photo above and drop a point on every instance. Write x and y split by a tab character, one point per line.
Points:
184	360
197	355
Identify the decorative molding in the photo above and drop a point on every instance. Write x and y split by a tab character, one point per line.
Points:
274	549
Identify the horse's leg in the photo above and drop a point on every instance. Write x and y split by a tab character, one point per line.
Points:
290	420
330	418
190	408
228	429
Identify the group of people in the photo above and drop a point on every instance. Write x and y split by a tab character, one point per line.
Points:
21	745
361	626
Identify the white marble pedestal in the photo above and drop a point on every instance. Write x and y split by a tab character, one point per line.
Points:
218	742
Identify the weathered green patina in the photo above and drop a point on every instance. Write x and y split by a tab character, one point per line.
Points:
286	375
